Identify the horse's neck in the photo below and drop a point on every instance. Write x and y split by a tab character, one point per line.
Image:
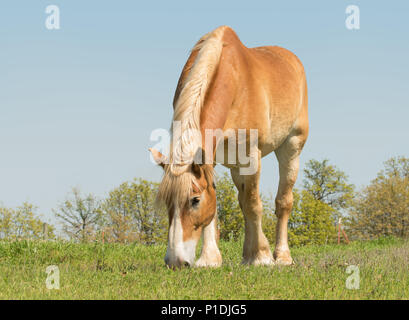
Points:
219	98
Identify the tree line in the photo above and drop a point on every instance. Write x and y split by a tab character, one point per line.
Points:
128	214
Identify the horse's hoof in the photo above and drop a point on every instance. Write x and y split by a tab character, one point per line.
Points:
283	258
212	263
265	260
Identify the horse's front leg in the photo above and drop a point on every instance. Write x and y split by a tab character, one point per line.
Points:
256	250
210	255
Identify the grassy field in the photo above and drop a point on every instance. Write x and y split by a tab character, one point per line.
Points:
114	271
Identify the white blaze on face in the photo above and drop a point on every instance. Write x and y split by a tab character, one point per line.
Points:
179	251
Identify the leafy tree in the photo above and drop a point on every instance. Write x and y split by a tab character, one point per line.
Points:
80	216
230	218
131	215
269	217
382	208
6	223
310	220
23	223
328	184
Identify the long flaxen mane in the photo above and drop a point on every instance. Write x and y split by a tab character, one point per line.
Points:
178	179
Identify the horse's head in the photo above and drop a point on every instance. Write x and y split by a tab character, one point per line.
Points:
190	198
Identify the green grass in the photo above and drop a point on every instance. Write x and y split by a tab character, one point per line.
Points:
114	271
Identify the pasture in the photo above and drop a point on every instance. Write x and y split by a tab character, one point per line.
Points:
116	271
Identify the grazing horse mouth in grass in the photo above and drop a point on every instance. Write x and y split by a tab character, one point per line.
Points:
225	93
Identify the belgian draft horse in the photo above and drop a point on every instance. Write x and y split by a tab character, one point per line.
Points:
228	87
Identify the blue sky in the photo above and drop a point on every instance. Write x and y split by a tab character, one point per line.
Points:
77	105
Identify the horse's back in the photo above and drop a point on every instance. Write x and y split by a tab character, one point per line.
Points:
277	54
275	96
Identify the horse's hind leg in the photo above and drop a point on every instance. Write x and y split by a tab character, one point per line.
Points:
288	159
210	255
256	250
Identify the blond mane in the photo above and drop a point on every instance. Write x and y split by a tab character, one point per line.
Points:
176	185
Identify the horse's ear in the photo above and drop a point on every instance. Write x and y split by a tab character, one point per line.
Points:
200	167
159	158
196	169
197	162
200	161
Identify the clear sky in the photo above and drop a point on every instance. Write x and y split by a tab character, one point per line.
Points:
77	105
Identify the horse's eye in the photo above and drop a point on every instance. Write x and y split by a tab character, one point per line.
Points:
195	201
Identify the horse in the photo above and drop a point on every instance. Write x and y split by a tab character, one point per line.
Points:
226	86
